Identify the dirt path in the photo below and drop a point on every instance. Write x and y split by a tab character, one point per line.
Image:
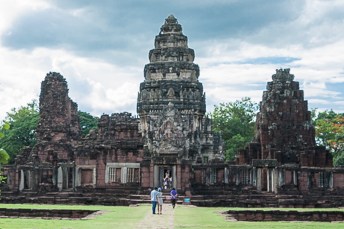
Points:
165	220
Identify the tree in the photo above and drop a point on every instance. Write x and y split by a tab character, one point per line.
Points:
4	157
3	128
235	121
3	154
22	129
87	122
329	131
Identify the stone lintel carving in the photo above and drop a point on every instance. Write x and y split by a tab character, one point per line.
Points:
264	163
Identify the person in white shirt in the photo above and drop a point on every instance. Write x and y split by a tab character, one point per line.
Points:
154	198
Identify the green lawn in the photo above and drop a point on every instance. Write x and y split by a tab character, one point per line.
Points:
193	217
128	217
113	217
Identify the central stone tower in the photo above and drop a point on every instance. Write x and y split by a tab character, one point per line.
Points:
171	106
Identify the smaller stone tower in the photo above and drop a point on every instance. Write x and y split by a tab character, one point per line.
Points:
50	164
284	130
59	124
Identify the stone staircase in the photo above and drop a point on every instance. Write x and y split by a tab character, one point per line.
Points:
268	200
88	198
117	197
145	199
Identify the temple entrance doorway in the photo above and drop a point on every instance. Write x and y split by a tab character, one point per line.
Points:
25	177
165	176
264	180
65	177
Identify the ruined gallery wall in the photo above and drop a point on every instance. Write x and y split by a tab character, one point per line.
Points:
338	179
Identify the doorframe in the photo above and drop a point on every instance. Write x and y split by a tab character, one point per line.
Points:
159	173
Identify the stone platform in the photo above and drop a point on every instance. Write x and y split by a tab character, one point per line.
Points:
230	200
44	213
262	215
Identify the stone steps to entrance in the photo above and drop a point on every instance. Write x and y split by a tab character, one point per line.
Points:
138	199
245	200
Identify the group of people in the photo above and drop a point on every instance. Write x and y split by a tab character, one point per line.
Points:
157	199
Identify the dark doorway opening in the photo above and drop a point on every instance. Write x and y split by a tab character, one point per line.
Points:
166	178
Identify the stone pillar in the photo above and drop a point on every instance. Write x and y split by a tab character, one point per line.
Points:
77	176
34	179
274	180
151	174
295	177
179	177
28	179
59	178
55	176
74	177
16	180
237	177
226	175
94	179
250	174
280	177
254	177
259	179
174	176
206	175
21	182
124	174
156	176
268	188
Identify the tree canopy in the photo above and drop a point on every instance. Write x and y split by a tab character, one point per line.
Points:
22	129
235	121
329	129
87	122
4	157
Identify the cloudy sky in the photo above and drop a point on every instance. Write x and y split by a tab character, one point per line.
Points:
101	47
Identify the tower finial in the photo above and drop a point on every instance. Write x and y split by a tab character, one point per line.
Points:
171	26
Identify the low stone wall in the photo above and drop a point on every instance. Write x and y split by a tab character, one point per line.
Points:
44	213
260	215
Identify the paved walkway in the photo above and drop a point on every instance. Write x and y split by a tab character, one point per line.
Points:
165	220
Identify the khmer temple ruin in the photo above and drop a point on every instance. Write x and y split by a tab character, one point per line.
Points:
172	138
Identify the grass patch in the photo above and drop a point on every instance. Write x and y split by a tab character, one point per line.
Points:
114	217
197	217
129	217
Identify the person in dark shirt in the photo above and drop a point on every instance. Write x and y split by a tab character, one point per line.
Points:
174	196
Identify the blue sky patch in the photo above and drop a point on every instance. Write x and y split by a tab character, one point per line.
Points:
270	60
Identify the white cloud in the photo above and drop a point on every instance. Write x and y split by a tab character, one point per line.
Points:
93	84
108	81
12	9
